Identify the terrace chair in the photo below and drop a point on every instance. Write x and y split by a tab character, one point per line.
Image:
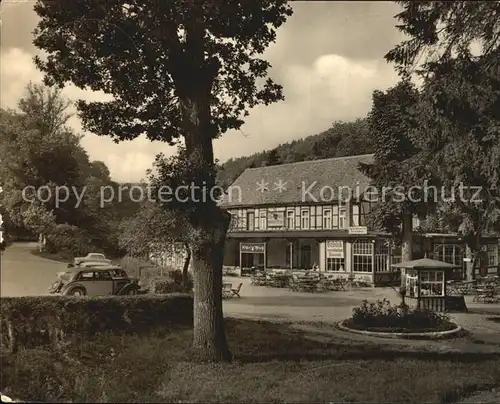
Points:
236	291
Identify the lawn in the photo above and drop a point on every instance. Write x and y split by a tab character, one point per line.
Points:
273	363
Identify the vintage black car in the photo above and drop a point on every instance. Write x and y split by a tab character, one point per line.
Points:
98	281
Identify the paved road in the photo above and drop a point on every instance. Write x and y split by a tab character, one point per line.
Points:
273	303
25	274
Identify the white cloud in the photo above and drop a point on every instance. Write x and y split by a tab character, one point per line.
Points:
126	161
332	88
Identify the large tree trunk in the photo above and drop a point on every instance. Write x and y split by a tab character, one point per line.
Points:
406	244
473	252
209	340
194	78
210	225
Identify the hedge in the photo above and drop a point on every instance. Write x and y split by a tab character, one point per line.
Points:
30	321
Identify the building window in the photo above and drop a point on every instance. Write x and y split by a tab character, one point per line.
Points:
263	223
492	255
382	256
432	283
335	264
290	219
355	215
250	220
452	254
342	218
415	222
304	219
335	217
362	256
327	218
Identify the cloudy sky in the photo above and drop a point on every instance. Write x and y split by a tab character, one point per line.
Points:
328	57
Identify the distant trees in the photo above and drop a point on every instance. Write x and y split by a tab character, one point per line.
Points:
396	168
342	139
272	158
38	150
460	140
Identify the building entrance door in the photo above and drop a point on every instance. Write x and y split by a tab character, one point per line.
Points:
253	255
305	257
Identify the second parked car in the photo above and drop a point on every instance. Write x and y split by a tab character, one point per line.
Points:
92	257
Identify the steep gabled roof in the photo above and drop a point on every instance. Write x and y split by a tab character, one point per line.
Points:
302	182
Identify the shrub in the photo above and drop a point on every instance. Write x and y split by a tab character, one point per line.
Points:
155	278
34	320
69	241
176	276
382	316
136	267
162	285
171	282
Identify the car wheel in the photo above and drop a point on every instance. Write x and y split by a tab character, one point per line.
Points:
77	292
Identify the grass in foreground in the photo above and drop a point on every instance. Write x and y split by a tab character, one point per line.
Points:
273	363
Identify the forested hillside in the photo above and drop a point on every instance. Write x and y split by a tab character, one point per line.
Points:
342	139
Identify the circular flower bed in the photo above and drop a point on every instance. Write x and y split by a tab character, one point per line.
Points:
384	317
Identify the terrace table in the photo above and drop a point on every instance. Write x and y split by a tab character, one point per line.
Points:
485	295
279	281
258	279
308	285
464	287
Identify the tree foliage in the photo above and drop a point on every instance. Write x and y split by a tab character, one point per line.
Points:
438	31
38	150
151	227
459	121
460	139
138	52
38	219
396	167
